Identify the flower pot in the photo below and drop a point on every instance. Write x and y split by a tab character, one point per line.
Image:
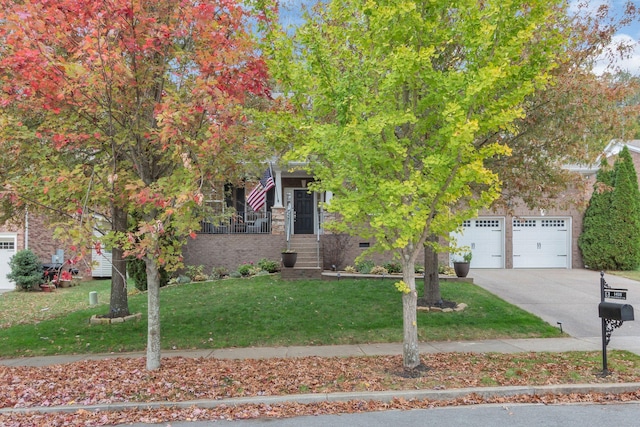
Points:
461	268
289	259
65	283
47	288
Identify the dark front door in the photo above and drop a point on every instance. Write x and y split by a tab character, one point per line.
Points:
303	207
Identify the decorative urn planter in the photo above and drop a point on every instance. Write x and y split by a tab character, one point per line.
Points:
461	268
289	259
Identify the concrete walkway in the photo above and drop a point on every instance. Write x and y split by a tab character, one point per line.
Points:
497	346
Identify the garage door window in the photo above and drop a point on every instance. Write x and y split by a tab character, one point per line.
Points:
494	223
552	223
524	223
7	245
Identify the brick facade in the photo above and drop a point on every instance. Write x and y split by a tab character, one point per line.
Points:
232	250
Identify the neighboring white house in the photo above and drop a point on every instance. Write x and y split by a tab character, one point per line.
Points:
100	262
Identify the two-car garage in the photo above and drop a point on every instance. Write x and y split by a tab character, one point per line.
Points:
533	242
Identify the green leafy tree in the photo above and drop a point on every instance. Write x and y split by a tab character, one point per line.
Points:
399	105
566	123
611	227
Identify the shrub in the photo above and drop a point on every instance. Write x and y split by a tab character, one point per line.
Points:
196	273
365	266
419	269
393	267
335	247
245	269
26	269
268	265
235	274
379	270
138	272
350	269
446	270
219	272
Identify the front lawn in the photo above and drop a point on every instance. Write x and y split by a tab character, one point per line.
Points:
268	311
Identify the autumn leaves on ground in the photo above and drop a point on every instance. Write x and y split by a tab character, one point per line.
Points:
126	380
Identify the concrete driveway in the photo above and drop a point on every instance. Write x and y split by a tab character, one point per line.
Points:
567	296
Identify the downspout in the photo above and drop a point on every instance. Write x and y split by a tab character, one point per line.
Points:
26	229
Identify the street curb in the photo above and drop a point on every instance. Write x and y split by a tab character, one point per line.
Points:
382	396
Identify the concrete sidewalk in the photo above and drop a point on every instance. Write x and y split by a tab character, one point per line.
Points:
487	346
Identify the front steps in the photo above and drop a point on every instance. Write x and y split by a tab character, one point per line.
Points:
309	261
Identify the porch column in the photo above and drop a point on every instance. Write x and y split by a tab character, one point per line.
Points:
277	203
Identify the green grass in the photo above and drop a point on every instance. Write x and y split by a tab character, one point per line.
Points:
267	311
633	275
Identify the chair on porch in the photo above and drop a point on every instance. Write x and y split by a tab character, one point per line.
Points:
260	225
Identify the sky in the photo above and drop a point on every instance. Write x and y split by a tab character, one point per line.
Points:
629	35
291	15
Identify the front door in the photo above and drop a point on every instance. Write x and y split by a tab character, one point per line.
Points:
303	207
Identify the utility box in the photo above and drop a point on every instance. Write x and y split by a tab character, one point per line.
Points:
615	311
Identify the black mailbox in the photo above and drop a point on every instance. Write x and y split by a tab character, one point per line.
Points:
614	311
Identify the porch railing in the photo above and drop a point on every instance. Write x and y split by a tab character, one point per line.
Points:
239	223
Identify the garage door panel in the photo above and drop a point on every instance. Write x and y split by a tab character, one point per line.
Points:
485	237
541	243
7	250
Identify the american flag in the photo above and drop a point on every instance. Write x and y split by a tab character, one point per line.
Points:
258	195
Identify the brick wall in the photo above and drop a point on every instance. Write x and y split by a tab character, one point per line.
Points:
231	250
40	237
41	240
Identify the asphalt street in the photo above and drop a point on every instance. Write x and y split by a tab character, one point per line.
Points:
519	415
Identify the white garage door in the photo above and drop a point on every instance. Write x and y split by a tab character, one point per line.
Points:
541	243
485	237
7	250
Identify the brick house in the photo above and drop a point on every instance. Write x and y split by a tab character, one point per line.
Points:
520	238
32	233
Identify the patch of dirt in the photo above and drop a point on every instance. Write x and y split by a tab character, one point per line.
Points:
417	372
422	302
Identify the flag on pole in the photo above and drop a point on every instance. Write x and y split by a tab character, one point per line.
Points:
258	195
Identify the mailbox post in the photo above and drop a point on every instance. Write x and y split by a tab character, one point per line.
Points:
612	315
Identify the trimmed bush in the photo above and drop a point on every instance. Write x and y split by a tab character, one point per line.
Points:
26	270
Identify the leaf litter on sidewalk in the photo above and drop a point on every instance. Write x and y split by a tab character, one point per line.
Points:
120	380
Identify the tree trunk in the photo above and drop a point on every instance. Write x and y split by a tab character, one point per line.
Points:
410	349
119	303
153	317
431	278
